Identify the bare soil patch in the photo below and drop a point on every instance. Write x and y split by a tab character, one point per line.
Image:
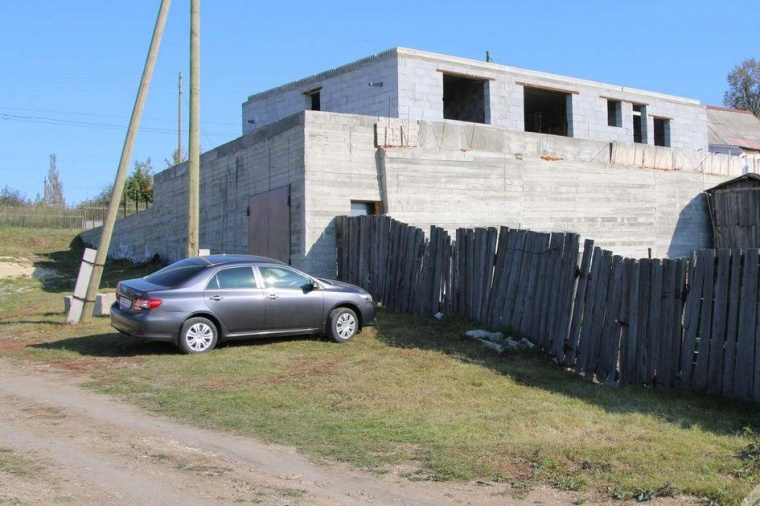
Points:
12	267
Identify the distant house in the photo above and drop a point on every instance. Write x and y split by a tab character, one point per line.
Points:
733	132
735	212
438	140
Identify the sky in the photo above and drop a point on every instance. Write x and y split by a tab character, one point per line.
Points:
70	70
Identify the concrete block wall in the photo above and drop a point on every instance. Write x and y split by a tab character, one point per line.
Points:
421	89
344	89
229	176
413	88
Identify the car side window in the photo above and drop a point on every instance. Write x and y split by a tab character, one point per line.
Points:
278	277
233	278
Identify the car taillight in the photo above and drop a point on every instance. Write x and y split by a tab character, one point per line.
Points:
148	303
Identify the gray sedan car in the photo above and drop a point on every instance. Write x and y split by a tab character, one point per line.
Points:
197	302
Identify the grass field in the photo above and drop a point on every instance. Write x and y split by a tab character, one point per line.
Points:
411	396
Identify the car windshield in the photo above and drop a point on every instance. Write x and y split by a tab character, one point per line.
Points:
176	273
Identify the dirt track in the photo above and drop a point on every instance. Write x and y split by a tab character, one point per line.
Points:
88	449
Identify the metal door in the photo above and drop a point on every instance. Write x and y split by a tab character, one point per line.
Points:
269	224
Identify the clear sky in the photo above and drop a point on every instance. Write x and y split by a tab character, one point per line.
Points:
69	70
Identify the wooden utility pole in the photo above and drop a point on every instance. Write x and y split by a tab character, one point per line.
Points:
126	155
179	123
194	156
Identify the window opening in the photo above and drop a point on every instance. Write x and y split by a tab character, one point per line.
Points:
364	208
640	123
614	113
313	100
662	132
464	98
547	111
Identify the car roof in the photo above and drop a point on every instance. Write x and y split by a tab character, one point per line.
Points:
224	259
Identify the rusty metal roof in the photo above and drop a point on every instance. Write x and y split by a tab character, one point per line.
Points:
732	127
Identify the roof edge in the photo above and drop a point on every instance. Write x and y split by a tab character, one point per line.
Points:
327	73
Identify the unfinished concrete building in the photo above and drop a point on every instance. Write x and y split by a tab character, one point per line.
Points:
438	140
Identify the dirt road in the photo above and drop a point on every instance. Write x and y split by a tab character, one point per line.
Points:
73	446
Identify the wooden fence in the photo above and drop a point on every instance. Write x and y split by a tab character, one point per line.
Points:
41	216
692	323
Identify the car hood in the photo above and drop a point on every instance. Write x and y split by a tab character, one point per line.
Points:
341	286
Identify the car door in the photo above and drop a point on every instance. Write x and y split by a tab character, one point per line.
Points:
235	297
292	303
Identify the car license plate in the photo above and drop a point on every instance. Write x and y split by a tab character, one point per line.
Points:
125	303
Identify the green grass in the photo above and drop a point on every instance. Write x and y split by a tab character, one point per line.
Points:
412	396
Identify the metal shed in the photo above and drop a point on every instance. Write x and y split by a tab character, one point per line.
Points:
735	212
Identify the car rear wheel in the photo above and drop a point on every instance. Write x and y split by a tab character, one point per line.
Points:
197	335
342	325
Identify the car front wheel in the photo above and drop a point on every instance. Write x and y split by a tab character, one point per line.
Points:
342	325
197	335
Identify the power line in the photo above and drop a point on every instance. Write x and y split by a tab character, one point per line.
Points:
102	126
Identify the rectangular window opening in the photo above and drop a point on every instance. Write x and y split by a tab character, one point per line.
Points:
313	100
365	208
662	132
547	111
464	98
614	113
640	123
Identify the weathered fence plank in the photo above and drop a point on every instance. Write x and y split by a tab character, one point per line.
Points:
745	346
706	261
584	275
729	354
629	338
691	321
719	323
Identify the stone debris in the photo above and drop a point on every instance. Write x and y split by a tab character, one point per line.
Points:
498	342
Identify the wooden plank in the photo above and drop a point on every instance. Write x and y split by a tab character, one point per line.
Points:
521	288
550	281
719	323
499	278
585	342
514	266
461	271
469	279
609	338
540	243
745	347
644	336
584	273
601	303
678	310
691	321
665	363
564	307
340	224
629	339
384	240
653	327
707	259
488	271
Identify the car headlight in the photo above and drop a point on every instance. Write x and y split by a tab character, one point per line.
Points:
366	296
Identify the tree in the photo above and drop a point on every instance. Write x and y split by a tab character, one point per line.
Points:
53	186
13	198
139	185
100	200
177	158
744	87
